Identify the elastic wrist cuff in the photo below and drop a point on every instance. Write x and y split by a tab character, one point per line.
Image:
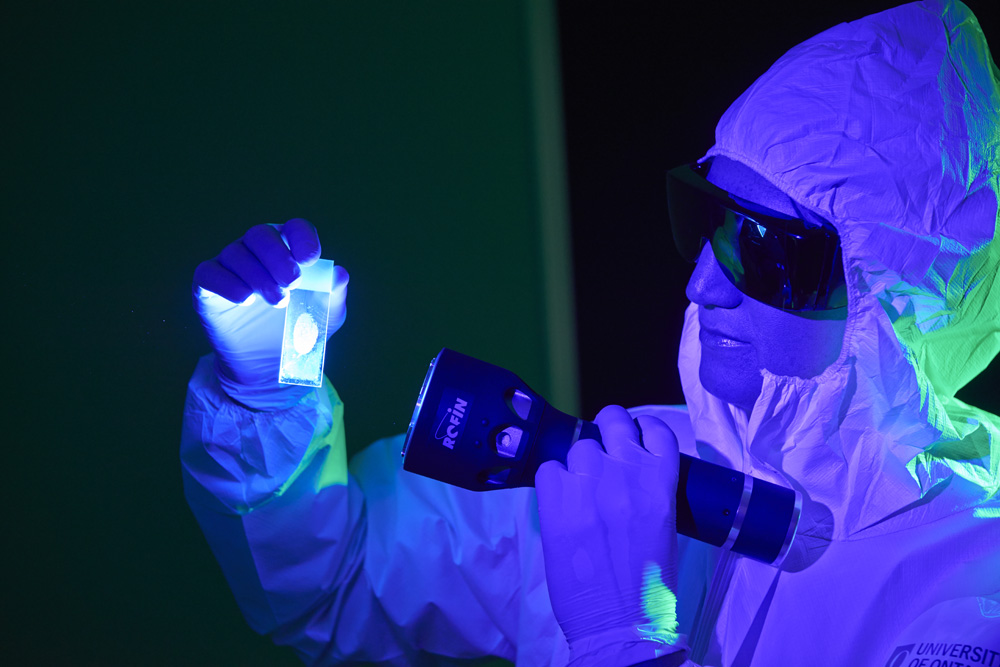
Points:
266	398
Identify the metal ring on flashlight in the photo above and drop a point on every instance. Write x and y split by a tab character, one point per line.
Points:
741	512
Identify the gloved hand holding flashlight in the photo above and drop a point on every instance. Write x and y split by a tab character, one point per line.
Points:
608	526
236	294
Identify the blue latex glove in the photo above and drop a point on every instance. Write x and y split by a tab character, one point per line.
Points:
239	296
609	538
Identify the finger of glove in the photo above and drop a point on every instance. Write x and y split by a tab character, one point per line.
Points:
338	300
303	240
265	242
661	442
562	496
217	279
585	457
546	475
657	437
241	261
547	485
619	434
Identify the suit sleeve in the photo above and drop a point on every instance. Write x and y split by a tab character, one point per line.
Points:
363	562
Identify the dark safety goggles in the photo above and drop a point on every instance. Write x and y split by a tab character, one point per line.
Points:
790	263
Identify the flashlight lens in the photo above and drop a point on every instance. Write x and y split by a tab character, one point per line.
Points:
420	403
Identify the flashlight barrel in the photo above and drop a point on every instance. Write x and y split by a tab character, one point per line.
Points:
728	508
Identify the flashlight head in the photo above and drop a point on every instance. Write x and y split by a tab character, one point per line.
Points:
474	425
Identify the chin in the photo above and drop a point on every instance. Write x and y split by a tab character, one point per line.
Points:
732	386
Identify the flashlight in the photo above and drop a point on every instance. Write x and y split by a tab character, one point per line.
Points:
480	427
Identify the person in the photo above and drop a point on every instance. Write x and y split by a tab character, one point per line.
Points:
822	350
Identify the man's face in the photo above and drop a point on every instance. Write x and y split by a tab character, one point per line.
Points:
739	335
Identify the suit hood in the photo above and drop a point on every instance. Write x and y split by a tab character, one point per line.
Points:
888	127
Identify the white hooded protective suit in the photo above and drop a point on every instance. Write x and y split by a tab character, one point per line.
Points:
889	128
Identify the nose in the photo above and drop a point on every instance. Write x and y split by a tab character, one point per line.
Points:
709	286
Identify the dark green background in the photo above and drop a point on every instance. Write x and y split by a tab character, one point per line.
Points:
140	139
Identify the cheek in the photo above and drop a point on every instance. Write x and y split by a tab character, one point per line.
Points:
791	345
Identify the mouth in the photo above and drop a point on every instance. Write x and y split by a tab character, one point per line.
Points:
717	338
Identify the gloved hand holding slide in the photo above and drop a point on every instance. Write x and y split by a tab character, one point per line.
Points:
244	297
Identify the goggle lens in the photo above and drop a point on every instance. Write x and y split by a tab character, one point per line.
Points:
784	262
